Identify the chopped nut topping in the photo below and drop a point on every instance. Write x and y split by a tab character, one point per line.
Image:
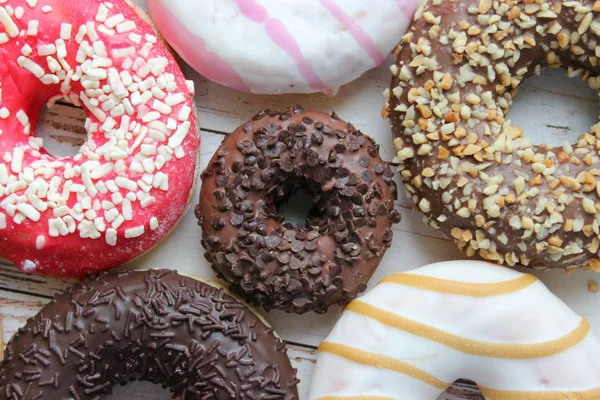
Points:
451	120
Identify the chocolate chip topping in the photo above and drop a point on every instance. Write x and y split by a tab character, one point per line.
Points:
475	175
271	262
154	326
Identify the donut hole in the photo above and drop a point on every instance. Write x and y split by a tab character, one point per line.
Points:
62	129
296	202
145	390
554	109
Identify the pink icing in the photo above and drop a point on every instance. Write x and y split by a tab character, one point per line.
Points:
362	38
253	11
195	53
80	243
282	37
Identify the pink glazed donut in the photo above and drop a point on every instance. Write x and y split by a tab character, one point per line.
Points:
132	179
283	46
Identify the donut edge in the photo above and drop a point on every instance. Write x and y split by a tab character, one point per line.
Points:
192	195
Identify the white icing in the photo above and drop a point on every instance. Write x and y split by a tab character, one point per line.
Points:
327	45
543	321
338	379
527	316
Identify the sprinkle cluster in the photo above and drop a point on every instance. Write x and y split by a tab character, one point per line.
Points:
154	326
466	166
272	262
138	122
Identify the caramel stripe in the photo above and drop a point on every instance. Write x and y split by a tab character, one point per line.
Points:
470	346
592	394
379	361
462	288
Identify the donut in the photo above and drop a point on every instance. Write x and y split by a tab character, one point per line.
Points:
283	46
271	262
416	333
131	181
154	326
475	175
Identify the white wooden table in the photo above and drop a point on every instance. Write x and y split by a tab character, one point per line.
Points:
551	108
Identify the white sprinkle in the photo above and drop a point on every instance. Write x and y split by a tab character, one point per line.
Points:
61	48
126	26
66	31
118	222
2	221
179	135
147	201
31	3
23	118
40	242
29	211
111	237
106	31
26	50
161	107
102	13
17	160
4	113
19	11
153	223
135	38
190	87
101	171
91	31
3	38
134	232
123	52
174	99
50	79
31	66
126	183
184	113
100	48
32	27
151	116
9	25
114	20
127	210
46	9
46	49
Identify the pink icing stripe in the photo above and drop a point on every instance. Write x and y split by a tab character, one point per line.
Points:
362	38
282	37
207	63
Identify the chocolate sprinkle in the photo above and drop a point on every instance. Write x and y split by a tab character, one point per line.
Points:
271	262
171	330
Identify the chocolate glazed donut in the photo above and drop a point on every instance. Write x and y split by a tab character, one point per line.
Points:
469	169
154	326
271	262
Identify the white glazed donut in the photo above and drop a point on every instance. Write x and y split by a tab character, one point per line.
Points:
416	333
283	46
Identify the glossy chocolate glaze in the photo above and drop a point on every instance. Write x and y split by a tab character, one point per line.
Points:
154	326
